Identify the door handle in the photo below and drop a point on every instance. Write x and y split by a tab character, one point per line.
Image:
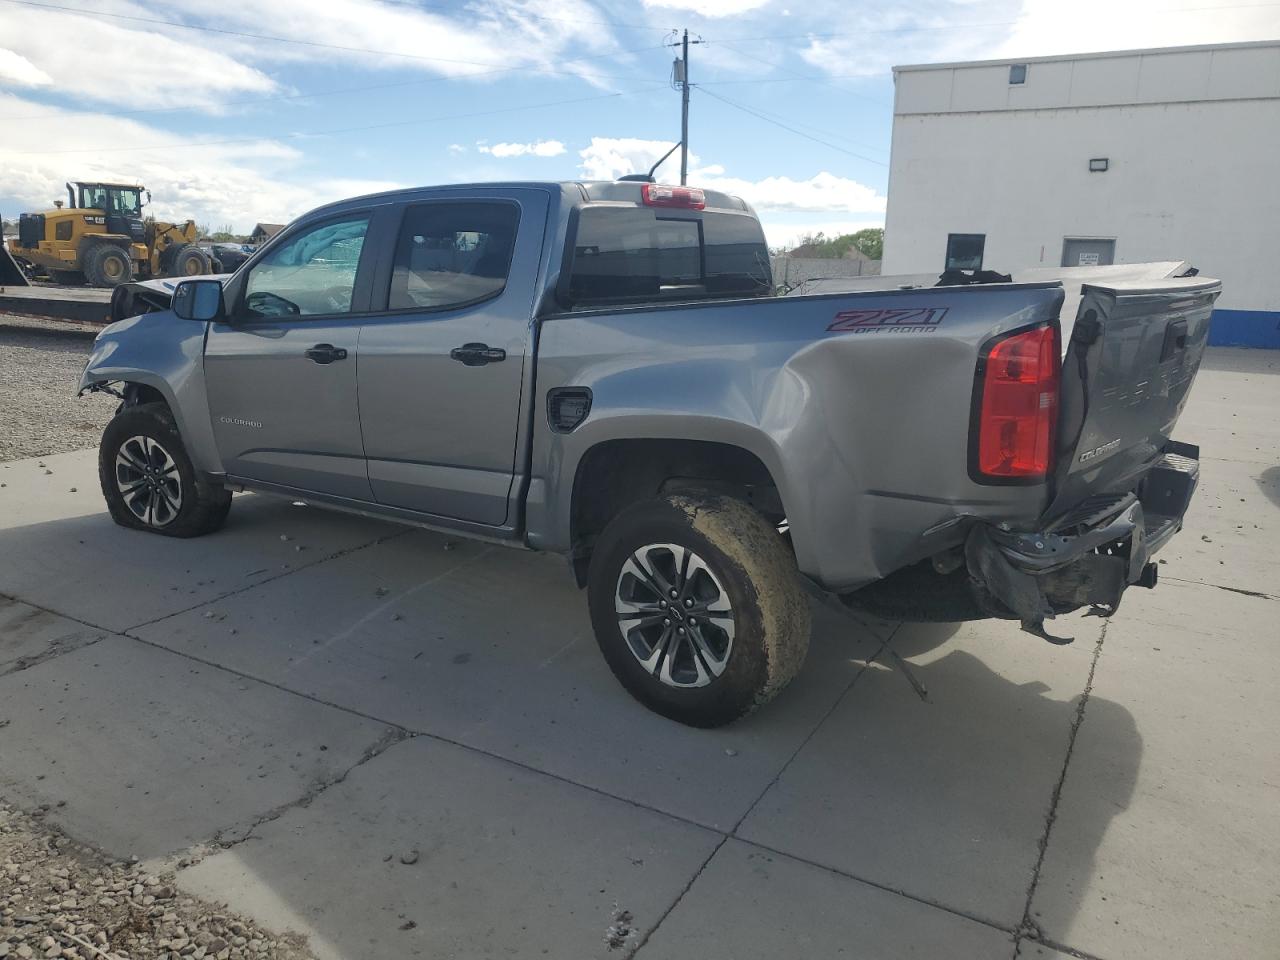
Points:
477	354
326	353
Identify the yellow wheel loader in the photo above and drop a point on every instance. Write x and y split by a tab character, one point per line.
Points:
101	237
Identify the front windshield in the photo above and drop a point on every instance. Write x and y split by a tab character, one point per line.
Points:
126	201
121	201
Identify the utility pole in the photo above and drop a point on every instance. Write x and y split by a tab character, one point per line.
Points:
684	113
681	75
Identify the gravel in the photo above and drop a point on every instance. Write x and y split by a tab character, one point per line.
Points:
40	366
60	899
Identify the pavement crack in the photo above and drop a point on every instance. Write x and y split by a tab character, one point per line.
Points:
390	737
724	838
57	648
336	554
1029	928
733	832
1258	594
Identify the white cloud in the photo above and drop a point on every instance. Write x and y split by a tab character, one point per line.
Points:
471	40
86	54
867	41
240	183
822	193
607	158
708	8
1048	27
199	71
457	148
17	70
540	148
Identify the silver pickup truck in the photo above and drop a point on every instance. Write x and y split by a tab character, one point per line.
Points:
605	370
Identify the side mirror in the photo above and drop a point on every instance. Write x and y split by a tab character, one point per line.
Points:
198	300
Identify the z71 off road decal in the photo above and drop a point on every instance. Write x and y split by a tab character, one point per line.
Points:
902	320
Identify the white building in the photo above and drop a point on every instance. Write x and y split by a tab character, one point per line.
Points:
1170	154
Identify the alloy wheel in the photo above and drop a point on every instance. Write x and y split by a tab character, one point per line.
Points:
148	480
674	615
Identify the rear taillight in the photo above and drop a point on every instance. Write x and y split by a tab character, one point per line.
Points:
1017	407
684	198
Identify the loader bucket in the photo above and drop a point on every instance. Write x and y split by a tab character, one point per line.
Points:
10	273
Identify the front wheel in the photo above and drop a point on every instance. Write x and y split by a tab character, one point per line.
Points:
106	265
189	260
697	606
148	480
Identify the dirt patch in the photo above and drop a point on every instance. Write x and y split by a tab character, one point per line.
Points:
59	899
740	530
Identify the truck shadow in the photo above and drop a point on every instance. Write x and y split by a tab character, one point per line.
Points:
952	737
1015	755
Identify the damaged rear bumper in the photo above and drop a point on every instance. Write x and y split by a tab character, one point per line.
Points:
1088	556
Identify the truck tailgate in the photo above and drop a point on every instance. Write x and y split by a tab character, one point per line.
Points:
1131	357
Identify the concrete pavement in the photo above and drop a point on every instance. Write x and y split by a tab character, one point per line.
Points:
315	716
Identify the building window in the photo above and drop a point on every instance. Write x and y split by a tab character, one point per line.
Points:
964	250
1018	73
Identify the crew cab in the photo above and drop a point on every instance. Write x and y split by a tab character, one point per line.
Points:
604	370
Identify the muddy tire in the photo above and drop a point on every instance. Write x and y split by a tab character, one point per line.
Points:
148	480
188	260
106	265
697	606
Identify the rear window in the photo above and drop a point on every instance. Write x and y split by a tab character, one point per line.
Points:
636	255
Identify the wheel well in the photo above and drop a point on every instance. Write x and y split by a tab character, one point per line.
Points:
136	394
617	473
95	240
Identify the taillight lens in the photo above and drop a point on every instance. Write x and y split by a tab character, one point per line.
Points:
684	198
1018	412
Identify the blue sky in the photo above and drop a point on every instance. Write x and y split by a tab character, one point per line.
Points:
257	110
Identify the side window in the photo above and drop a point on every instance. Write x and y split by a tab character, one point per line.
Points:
313	273
452	254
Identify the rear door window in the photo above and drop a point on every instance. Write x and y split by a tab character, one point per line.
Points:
452	255
628	254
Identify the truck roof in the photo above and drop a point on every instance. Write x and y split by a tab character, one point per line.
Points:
624	191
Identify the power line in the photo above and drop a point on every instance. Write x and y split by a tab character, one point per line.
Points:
158	21
800	76
364	89
781	118
304	134
778	123
414	4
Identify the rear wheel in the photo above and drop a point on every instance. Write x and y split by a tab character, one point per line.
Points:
148	480
697	607
107	266
189	261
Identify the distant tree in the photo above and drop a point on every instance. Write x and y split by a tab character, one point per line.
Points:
224	234
869	242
